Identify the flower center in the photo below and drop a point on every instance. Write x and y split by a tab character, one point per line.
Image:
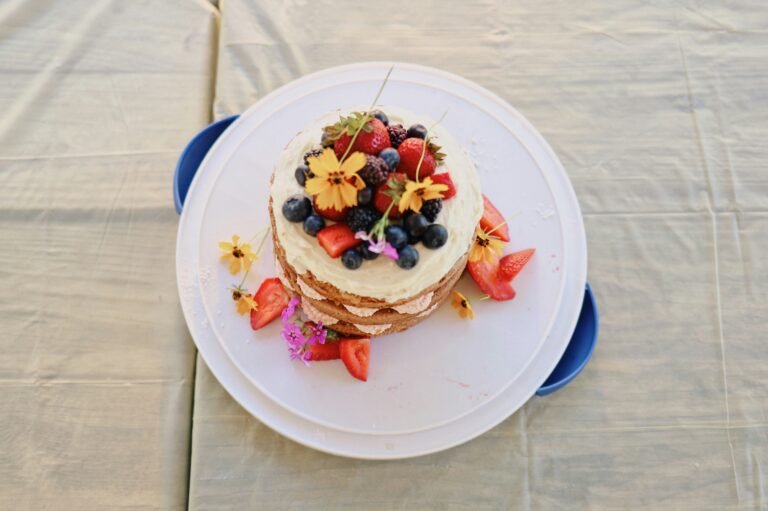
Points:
337	178
237	252
464	304
236	295
482	242
420	192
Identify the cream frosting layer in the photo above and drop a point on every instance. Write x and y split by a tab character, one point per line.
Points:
381	278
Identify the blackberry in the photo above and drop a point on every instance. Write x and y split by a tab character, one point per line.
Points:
361	219
397	133
313	153
431	208
375	171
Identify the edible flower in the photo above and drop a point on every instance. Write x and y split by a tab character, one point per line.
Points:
486	246
417	192
244	302
462	305
378	244
335	184
237	255
316	333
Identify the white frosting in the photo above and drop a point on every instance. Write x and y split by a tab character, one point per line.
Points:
380	278
363	312
373	329
414	306
309	290
429	311
317	316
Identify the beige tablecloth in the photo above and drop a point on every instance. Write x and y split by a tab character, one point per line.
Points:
659	113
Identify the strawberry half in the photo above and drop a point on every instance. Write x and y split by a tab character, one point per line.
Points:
492	219
486	277
330	213
444	178
371	140
327	351
271	299
382	199
511	264
336	239
355	354
410	153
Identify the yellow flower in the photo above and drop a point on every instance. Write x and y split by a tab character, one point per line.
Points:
331	182
462	305
237	255
486	246
244	302
417	192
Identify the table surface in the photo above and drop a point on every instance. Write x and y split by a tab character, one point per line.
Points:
659	113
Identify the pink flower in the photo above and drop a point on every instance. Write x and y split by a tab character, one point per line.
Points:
316	333
289	310
378	246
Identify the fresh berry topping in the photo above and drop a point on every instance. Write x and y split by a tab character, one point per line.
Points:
271	298
362	219
313	224
391	157
409	257
330	213
493	220
328	351
351	259
366	252
511	264
314	153
415	225
337	239
417	131
410	154
435	236
365	196
371	139
431	208
325	140
381	116
396	236
413	240
297	208
396	135
383	196
302	174
355	353
444	178
485	275
375	171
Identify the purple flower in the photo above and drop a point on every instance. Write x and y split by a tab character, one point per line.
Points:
292	335
317	333
390	252
378	246
289	310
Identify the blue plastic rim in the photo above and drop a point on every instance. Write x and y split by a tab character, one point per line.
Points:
584	338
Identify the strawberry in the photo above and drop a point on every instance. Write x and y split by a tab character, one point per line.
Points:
486	277
271	299
336	239
511	264
327	351
384	192
371	140
410	154
492	220
444	178
330	213
355	354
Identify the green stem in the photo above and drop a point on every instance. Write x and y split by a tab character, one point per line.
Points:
368	115
426	141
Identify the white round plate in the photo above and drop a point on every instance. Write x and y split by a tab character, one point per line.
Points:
424	382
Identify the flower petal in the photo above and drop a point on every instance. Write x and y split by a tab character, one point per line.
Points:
348	194
353	163
324	164
317	185
226	246
234	266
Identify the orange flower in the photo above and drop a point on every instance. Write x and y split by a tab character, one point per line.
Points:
486	246
244	302
237	255
417	192
462	305
335	183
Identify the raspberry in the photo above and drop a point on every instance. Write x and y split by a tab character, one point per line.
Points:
431	208
397	133
312	154
375	171
361	219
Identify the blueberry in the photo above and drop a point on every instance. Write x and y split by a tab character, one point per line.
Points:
297	208
417	131
396	236
435	236
365	196
313	224
409	257
413	240
352	259
302	171
391	157
325	140
381	116
365	251
416	224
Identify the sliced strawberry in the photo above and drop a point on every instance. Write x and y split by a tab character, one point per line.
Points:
492	219
327	351
372	141
444	178
330	213
336	239
511	264
271	299
381	200
355	354
487	279
410	153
